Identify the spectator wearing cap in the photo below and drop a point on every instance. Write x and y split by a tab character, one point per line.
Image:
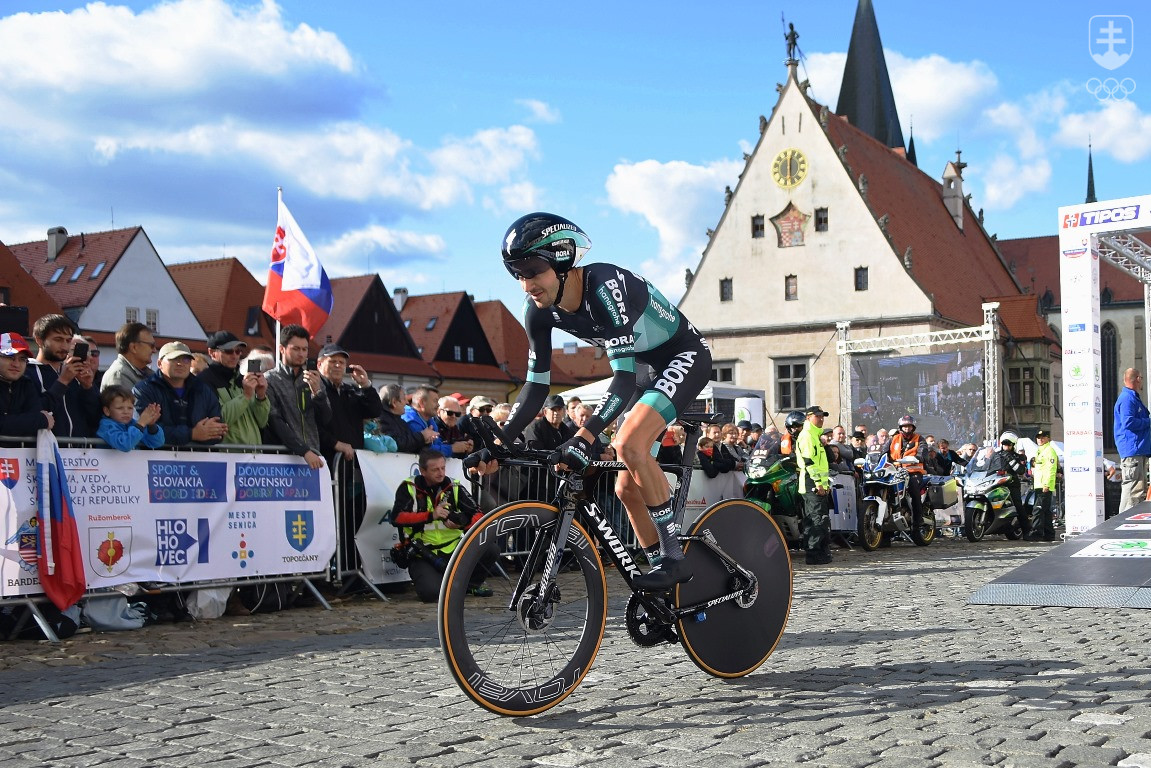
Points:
244	404
744	427
858	445
64	378
24	410
461	399
447	421
353	401
815	487
299	400
1045	472
478	407
545	433
134	345
189	409
753	436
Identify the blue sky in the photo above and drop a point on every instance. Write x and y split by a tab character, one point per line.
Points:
407	136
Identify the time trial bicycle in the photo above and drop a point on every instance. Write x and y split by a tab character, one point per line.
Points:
523	650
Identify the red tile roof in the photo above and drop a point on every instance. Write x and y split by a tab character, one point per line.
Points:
23	289
1020	317
419	311
1036	261
220	292
586	365
89	250
958	268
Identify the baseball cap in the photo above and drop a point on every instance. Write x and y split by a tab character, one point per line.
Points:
459	398
333	349
174	349
816	410
756	427
224	340
12	344
1042	433
554	401
479	401
858	436
744	424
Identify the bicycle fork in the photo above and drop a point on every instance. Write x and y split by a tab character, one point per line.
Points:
533	604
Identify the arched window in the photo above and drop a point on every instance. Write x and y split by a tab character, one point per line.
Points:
1109	353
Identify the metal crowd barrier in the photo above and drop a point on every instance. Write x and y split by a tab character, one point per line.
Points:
33	602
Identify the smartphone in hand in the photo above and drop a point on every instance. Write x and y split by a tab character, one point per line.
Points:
310	365
81	350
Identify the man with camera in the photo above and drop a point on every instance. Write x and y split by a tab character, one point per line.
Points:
244	404
299	400
60	370
436	511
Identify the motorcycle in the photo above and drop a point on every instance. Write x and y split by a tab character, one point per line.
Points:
773	483
987	504
887	506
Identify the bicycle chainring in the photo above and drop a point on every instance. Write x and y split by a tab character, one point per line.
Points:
646	630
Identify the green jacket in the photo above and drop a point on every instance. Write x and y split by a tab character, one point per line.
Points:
1046	467
812	458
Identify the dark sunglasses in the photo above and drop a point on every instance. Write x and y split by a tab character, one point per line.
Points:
485	409
453	413
527	267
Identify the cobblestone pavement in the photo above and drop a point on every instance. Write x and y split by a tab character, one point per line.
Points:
883	663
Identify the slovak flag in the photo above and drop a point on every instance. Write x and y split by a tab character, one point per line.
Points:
298	288
60	562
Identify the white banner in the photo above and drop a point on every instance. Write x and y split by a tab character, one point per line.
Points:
172	517
383	473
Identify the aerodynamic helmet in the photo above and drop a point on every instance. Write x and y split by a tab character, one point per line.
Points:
540	240
794	421
907	420
1008	437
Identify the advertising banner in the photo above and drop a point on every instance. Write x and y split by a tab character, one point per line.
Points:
172	517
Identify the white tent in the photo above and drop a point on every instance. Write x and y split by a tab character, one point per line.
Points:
592	393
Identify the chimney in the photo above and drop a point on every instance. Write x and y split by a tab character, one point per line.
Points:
953	190
57	239
400	298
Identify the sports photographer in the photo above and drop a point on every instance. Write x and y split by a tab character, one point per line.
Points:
436	511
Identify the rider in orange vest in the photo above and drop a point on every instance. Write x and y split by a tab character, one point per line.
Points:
907	443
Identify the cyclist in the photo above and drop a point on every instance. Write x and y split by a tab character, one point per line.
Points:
613	308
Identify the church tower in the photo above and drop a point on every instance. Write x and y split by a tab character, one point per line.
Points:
865	97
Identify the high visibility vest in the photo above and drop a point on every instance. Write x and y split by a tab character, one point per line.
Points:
1046	466
435	534
901	448
809	448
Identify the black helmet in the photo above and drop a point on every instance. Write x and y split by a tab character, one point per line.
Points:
794	421
554	239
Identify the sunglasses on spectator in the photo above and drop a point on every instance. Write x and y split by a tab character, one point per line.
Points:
527	268
453	413
485	409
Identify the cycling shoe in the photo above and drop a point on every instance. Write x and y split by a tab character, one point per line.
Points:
663	576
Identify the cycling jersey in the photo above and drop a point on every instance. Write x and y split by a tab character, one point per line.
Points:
633	322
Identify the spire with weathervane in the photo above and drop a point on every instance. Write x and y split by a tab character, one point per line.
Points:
1090	177
865	97
911	145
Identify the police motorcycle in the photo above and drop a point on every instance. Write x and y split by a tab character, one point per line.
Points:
887	506
772	481
987	506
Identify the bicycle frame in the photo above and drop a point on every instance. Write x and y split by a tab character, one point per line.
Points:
574	504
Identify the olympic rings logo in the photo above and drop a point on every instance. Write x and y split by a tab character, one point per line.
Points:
1111	89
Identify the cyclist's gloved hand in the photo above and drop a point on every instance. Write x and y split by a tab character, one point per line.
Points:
482	456
575	453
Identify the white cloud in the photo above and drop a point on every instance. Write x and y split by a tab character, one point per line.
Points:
540	111
515	198
173	46
1007	180
680	201
1118	128
358	252
934	93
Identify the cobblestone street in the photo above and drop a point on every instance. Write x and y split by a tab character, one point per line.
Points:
883	663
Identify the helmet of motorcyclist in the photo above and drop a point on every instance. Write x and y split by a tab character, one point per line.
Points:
794	421
1008	437
537	241
907	421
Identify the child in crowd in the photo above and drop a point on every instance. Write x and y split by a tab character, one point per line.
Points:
119	430
23	410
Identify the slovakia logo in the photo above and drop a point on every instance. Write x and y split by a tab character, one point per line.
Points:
1110	40
9	473
298	528
107	548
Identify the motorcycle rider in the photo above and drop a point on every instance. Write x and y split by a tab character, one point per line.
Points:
1007	460
815	487
906	442
1046	468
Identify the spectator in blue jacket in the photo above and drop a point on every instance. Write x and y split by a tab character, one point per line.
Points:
189	409
420	416
121	428
1132	439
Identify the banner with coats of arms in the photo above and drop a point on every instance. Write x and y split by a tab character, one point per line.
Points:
172	516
